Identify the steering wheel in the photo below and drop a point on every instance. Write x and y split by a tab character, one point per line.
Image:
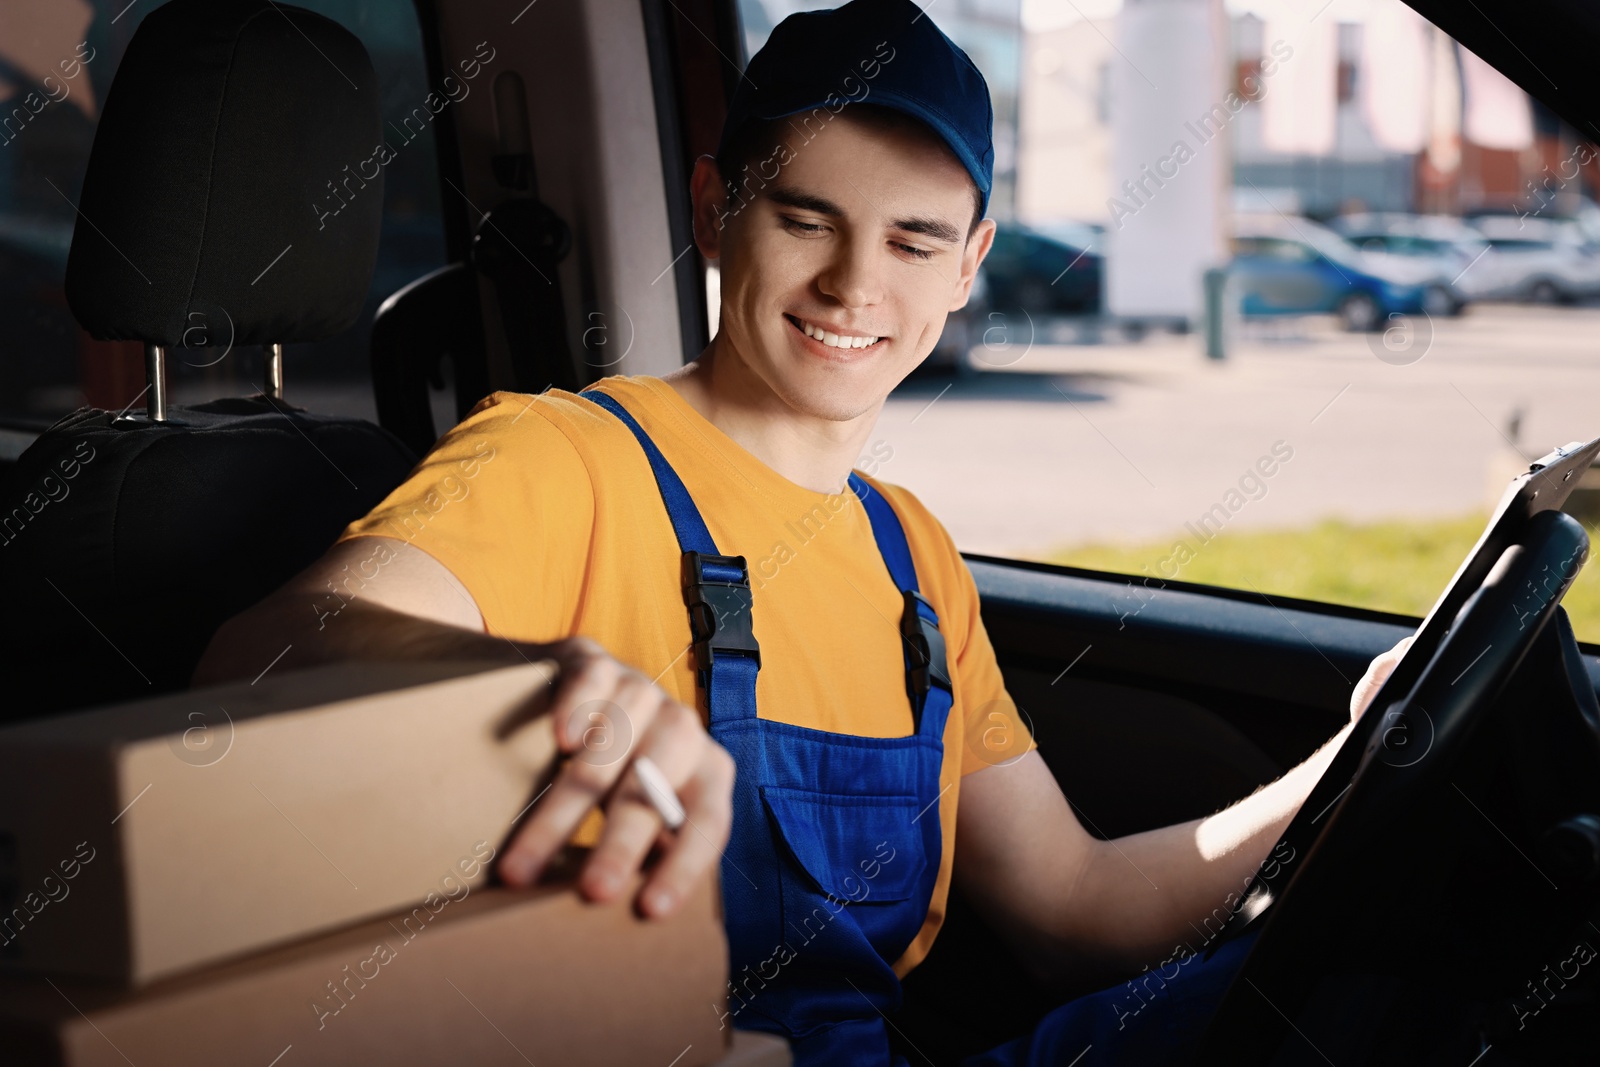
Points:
1341	850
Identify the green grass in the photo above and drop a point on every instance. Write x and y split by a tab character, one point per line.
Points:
1399	566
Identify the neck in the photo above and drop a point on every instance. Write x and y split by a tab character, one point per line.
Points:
811	451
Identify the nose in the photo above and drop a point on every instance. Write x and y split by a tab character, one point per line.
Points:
853	277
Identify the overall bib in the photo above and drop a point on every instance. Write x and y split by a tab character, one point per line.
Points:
836	839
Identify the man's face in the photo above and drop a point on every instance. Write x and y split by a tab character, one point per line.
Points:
862	234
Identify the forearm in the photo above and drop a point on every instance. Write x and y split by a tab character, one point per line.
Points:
285	631
1142	896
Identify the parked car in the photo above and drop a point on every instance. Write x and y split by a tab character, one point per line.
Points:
1293	266
1054	270
1543	260
1461	262
1030	271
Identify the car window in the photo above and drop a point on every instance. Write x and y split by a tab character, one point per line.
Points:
1326	242
1287	251
1275	248
1362	419
1400	244
57	60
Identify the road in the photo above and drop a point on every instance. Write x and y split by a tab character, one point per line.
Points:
1070	443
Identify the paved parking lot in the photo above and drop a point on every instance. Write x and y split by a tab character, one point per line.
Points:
1082	442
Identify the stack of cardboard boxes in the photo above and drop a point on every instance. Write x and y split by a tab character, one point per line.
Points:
297	871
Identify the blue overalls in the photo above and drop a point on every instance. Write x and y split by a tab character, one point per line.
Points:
836	840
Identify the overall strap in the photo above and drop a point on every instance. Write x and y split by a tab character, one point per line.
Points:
686	522
927	671
716	589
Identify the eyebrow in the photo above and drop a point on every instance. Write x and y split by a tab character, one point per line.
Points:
938	229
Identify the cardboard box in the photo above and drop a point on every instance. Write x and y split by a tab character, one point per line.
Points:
498	976
147	839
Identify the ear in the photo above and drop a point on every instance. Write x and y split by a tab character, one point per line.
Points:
710	197
971	258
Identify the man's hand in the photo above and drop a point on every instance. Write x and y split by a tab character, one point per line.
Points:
606	715
1378	672
1067	902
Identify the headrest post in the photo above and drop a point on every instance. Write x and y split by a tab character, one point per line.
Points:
155	376
273	386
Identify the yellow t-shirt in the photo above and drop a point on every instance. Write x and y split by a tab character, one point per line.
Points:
546	509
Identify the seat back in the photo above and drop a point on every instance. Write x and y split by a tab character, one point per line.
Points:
219	205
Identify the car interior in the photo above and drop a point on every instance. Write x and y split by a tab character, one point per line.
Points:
560	138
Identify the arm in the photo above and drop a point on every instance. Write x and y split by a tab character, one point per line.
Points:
413	607
1071	905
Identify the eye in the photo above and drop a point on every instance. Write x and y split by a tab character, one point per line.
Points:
797	226
919	253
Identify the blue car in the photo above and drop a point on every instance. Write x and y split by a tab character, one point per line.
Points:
1050	270
1296	267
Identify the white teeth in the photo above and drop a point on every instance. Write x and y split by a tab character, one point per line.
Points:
834	340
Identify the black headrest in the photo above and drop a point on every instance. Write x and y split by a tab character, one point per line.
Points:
235	182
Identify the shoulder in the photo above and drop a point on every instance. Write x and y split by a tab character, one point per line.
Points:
938	560
576	416
506	412
552	428
923	528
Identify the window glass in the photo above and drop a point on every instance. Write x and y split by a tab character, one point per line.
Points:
1371	403
57	59
1288	251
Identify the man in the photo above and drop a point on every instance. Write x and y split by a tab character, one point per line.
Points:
846	213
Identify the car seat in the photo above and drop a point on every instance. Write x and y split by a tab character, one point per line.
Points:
207	218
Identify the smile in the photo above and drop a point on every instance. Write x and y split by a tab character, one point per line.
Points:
830	338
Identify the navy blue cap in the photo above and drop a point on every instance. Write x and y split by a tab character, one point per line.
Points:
885	52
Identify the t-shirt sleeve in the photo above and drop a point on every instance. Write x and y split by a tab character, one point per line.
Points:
992	730
505	502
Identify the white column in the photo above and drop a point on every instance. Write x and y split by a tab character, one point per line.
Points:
1171	172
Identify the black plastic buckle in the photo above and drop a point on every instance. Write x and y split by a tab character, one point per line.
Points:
719	611
927	662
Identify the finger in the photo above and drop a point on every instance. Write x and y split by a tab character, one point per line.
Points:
556	815
608	730
675	745
586	677
1401	645
1383	665
708	801
582	782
